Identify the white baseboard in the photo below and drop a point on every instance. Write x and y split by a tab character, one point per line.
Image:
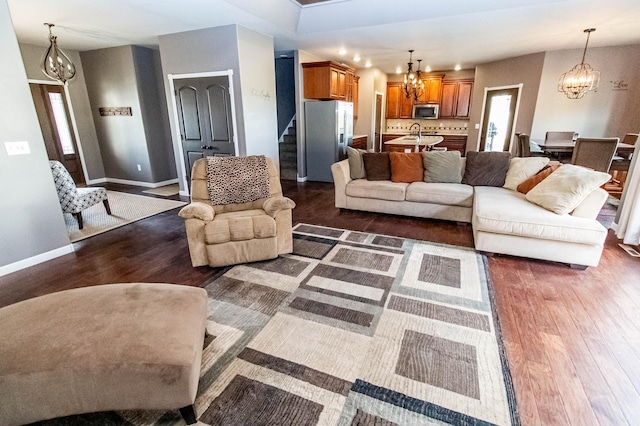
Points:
31	261
145	184
302	179
96	181
184	193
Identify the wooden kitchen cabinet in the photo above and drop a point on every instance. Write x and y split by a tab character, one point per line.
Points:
328	81
360	142
456	98
432	90
454	142
398	105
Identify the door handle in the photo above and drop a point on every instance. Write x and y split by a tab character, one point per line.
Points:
206	147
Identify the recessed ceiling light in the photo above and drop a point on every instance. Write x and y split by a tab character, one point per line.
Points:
398	70
427	69
356	58
342	51
368	64
458	68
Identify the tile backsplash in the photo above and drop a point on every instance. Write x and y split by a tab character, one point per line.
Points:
443	126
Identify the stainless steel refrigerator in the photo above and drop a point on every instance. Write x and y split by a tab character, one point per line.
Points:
328	131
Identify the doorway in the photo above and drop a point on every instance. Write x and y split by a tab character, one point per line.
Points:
500	110
377	132
55	122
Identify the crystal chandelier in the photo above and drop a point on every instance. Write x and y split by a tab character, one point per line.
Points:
55	63
581	78
413	84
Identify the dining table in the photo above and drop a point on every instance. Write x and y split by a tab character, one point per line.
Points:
567	147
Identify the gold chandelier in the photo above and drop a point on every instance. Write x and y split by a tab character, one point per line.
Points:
581	78
55	64
413	84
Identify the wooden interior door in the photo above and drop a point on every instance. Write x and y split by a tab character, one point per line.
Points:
204	115
55	122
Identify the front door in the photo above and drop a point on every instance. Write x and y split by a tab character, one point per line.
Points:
55	123
499	115
204	115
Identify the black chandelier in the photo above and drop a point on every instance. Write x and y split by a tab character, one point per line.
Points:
413	84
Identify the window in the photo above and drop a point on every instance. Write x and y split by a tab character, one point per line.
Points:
60	116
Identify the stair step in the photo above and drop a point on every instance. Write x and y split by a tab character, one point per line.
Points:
290	138
287	147
288	156
288	174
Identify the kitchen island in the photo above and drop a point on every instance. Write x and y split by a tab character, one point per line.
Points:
411	143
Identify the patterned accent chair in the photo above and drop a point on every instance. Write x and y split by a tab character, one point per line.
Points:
229	234
73	199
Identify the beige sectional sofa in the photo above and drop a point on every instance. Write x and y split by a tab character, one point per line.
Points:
503	220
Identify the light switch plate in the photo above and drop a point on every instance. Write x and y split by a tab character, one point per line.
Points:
17	148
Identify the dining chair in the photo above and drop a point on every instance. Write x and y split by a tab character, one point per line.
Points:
551	138
620	166
524	147
594	153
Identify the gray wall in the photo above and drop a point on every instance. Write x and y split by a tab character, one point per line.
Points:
111	82
523	69
31	217
609	111
129	76
250	57
155	116
285	92
87	137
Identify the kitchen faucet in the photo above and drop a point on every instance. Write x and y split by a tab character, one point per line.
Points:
419	134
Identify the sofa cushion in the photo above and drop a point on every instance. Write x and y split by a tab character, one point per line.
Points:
563	190
486	168
356	164
442	166
406	167
530	183
521	169
377	165
502	211
450	194
381	190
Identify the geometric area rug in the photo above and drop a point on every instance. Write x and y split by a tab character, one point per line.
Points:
351	328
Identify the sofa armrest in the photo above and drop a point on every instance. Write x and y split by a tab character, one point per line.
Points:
198	210
273	205
591	206
341	177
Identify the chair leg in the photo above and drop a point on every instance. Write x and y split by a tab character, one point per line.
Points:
107	207
78	217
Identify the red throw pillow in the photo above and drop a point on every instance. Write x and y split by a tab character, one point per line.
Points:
406	167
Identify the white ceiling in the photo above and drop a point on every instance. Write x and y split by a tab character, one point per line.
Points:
443	33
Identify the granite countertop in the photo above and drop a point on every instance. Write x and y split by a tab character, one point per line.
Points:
408	140
429	133
360	136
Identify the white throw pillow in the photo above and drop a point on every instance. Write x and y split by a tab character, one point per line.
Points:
563	190
521	169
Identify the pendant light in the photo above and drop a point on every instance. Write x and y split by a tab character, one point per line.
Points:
581	78
413	84
55	63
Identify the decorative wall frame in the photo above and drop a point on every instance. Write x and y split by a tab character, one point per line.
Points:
114	111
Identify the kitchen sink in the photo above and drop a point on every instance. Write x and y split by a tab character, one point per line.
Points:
410	138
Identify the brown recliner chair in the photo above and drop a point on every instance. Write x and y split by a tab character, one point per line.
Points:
221	235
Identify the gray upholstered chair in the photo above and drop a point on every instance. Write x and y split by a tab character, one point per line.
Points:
551	138
229	234
594	153
73	199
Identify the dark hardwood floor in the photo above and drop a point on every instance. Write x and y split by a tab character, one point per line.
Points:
572	337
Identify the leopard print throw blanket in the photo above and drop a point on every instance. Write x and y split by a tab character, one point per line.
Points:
234	180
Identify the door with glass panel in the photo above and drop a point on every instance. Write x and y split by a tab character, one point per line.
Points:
499	116
55	123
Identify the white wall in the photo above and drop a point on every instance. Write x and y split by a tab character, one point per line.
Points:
258	82
372	80
606	112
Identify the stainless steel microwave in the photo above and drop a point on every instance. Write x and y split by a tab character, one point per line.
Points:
426	111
